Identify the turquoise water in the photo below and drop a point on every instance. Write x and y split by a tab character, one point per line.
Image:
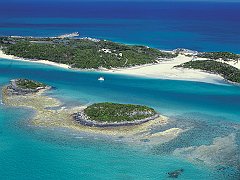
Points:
25	155
209	111
38	153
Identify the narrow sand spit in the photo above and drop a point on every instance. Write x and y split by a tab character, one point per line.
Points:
166	70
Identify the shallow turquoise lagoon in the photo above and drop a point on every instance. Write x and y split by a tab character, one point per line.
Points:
38	153
211	111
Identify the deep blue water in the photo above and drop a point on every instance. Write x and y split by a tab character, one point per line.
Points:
210	110
200	26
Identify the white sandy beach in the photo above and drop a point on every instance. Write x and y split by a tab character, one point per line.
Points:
162	70
10	57
166	70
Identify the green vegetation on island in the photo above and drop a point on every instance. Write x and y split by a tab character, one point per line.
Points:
82	53
48	113
113	112
29	84
226	56
24	87
227	71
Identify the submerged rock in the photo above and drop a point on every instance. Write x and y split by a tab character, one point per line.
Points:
175	174
144	140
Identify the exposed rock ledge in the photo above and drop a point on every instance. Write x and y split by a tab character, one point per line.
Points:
80	117
63	118
15	89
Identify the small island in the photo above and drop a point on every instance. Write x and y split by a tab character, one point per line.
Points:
133	123
113	114
25	86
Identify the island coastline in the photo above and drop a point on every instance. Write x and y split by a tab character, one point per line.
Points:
83	119
39	102
46	62
115	58
161	70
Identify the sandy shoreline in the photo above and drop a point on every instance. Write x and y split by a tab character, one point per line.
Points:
162	70
11	57
166	70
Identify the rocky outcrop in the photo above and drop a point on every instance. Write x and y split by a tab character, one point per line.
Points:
82	118
14	89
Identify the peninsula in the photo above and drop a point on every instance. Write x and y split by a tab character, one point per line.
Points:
83	53
227	71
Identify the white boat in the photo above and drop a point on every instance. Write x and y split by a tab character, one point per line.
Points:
101	79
